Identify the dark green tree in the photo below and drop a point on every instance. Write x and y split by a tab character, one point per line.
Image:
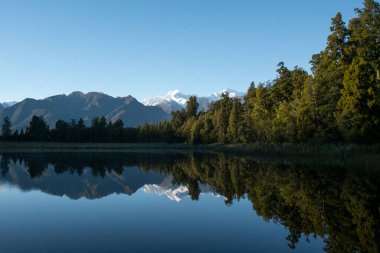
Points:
192	106
38	129
307	112
262	114
6	129
328	77
234	130
365	35
282	87
359	109
222	110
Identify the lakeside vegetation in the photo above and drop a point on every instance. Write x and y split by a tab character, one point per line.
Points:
338	103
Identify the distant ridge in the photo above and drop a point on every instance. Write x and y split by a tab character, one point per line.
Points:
83	105
8	103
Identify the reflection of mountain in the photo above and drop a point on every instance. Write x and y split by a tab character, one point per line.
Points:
76	186
174	192
166	188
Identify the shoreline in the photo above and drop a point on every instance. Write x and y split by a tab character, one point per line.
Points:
284	149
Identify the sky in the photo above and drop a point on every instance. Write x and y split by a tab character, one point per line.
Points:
145	48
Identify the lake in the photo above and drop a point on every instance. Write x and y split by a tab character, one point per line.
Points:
187	202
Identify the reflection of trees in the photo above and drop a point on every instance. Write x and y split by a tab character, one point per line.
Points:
340	202
4	164
100	163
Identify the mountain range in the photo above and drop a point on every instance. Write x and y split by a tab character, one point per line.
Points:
86	106
95	104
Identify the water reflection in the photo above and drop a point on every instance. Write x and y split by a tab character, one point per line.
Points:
338	201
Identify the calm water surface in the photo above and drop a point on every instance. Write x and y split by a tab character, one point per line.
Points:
146	202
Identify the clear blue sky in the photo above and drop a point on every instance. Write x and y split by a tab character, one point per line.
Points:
147	47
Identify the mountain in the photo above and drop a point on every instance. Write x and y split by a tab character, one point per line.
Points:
86	106
8	103
173	100
176	100
232	94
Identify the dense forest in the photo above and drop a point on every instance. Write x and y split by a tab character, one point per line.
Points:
339	101
336	200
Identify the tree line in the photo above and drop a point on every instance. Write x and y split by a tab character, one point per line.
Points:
76	131
339	101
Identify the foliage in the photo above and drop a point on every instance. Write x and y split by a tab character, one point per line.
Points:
6	129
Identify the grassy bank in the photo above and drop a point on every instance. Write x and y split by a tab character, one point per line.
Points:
285	149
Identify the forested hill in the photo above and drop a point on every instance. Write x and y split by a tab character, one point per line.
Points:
339	100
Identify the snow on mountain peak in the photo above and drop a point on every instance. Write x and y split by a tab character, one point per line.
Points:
176	100
177	96
8	103
173	93
232	93
172	96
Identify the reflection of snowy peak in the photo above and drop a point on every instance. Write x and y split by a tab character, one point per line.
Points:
166	188
175	100
172	191
175	194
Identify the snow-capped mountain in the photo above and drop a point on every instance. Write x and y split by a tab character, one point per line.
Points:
172	101
232	93
176	100
173	95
